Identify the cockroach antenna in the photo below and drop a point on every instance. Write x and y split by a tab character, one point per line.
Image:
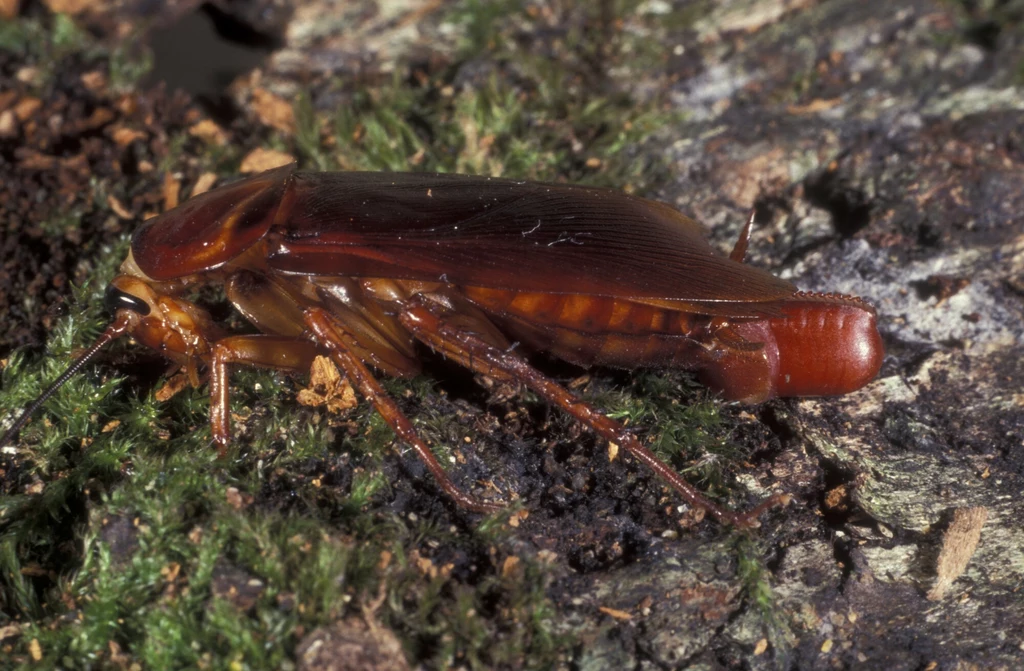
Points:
115	330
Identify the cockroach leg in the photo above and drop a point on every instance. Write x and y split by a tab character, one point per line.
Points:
330	334
425	321
739	251
280	352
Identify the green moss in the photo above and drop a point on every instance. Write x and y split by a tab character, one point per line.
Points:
685	424
548	121
491	129
756	580
128	65
37	41
45	43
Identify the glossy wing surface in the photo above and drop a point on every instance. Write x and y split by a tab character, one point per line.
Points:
509	234
209	230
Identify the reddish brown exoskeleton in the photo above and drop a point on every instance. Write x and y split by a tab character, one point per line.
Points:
360	266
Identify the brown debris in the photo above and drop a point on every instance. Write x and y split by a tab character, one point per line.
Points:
749	178
613	451
815	106
33	160
204	183
10	631
237	499
171	387
71	7
9	9
837	498
26	108
261	160
351	645
8	124
510	566
208	131
124	136
95	81
327	387
119	208
615	613
940	287
101	116
273	110
236	586
958	546
171	191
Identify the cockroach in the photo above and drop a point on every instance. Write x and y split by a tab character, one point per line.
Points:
362	266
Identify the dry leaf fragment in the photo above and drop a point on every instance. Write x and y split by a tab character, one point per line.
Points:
8	124
72	7
171	191
204	183
237	499
815	106
9	9
124	136
958	546
261	160
119	208
517	518
26	108
351	644
29	159
615	613
424	564
209	132
177	382
327	387
509	566
273	110
613	451
95	81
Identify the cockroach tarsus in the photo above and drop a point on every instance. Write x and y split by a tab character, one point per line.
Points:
362	266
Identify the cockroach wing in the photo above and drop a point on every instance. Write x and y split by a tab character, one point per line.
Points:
211	229
526	236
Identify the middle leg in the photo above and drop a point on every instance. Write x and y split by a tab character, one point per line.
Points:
332	335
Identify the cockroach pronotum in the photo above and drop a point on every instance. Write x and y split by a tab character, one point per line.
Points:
361	266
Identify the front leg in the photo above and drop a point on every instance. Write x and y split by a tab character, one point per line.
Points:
266	351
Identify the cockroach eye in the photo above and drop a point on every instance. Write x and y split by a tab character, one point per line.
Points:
117	299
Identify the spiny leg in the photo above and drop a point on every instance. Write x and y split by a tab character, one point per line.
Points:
424	321
331	335
265	351
739	250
